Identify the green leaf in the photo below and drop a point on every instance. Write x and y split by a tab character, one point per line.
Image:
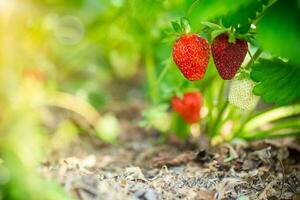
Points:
275	114
211	25
278	31
208	9
242	18
278	81
157	117
215	33
177	27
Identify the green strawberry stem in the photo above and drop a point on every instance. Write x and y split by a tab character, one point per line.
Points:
163	73
251	57
214	126
209	101
192	7
271	2
151	77
254	57
231	35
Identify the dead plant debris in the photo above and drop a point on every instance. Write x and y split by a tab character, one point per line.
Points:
136	170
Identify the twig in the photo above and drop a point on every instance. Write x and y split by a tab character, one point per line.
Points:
251	57
263	193
283	177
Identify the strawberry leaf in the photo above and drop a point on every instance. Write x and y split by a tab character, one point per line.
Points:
208	9
212	25
241	19
278	81
284	17
215	33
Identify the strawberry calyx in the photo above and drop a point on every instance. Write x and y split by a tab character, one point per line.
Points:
181	27
231	36
232	32
242	74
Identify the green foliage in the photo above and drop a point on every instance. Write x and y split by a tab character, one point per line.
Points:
146	11
181	27
242	19
278	31
278	81
179	127
282	122
156	117
206	9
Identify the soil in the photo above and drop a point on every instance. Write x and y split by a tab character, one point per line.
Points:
141	168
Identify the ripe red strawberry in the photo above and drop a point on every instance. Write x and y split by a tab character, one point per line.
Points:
188	107
228	57
191	55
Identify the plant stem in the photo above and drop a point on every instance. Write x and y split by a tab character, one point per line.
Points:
263	12
164	71
192	7
215	127
219	119
251	57
254	57
213	123
221	92
151	76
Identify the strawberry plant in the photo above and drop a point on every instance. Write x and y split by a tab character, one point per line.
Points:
245	65
224	68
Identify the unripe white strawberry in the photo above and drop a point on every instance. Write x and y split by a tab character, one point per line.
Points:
241	95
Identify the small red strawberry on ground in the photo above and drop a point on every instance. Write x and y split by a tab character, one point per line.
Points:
188	107
228	57
191	54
